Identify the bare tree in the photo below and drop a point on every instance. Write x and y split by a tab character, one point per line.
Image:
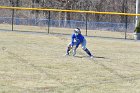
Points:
93	5
14	2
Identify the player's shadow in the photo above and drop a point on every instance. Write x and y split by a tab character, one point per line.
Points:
99	57
88	57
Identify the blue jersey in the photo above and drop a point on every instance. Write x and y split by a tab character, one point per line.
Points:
77	38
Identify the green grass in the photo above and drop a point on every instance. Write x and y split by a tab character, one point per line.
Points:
34	63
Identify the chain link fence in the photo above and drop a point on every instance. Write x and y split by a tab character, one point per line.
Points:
47	24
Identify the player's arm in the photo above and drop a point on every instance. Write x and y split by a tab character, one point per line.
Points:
72	40
78	43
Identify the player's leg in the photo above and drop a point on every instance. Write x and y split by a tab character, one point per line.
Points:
74	50
85	49
71	47
68	49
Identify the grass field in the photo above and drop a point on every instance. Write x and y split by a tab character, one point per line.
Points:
34	63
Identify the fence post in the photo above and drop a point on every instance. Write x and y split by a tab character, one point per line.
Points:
126	17
49	23
86	24
13	12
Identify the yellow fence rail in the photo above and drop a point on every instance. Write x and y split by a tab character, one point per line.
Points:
74	11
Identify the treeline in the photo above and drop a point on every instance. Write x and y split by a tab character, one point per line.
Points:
123	6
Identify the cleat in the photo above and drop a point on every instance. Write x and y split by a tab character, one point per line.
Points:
66	54
91	56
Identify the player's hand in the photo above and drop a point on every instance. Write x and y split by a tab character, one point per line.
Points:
71	47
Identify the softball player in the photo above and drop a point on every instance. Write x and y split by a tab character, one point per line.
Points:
76	40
